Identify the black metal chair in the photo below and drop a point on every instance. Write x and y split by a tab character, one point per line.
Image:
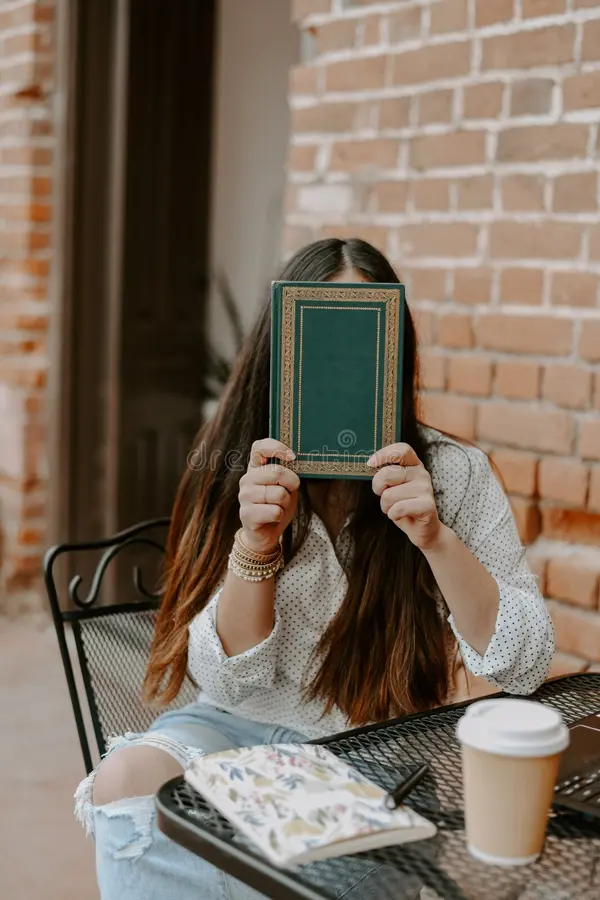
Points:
105	648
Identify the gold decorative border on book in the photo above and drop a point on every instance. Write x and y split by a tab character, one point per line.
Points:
337	467
288	334
293	295
390	379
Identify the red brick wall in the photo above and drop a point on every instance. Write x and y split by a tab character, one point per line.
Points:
462	138
26	35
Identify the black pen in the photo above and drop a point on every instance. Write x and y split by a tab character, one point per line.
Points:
395	797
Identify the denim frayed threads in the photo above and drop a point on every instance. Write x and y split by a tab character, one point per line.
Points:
84	808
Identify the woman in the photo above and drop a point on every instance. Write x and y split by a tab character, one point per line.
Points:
303	608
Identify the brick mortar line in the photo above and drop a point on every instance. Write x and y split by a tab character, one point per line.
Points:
11	140
425	217
474	75
402	91
35	58
551	169
508	78
411	178
26	306
28	224
498	357
385	9
371	174
589	117
26	364
24	57
25	28
506	75
454	213
27	114
12	5
482	215
460	174
514	311
585	313
452	217
426	40
498	124
540	403
443	129
584	116
27	284
503	356
23	170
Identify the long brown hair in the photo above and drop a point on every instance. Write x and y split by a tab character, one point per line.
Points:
385	651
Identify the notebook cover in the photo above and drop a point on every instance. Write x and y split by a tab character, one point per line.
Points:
299	802
336	373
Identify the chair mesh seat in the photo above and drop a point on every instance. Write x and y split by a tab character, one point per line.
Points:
116	649
112	626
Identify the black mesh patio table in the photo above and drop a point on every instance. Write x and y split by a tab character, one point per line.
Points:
436	869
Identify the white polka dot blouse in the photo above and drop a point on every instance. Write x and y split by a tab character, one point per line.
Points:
265	683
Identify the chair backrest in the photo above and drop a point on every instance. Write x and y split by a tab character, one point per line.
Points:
104	648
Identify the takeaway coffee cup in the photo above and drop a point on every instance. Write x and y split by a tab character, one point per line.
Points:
511	751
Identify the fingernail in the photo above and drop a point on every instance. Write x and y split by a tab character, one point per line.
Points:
372	461
290	455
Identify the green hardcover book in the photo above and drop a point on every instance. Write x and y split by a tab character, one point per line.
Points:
336	373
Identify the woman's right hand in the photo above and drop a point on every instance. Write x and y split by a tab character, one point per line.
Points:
268	496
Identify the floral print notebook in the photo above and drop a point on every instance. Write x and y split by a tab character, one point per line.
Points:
299	803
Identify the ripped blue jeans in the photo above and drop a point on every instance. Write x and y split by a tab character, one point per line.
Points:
134	860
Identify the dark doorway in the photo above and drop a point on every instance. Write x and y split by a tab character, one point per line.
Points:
134	332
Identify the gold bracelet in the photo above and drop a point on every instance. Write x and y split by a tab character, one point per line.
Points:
252	554
254	566
256	573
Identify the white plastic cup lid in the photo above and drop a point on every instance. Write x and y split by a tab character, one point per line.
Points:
513	728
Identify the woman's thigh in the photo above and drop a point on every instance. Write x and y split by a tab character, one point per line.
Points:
184	734
207	729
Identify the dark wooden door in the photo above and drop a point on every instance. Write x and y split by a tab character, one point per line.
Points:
140	221
159	373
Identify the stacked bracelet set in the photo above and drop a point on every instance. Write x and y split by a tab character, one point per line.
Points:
251	566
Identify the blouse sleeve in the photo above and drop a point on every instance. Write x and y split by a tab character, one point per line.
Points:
229	679
520	652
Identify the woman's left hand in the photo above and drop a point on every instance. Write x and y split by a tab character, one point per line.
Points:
404	486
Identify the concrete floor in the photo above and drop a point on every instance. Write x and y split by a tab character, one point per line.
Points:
44	854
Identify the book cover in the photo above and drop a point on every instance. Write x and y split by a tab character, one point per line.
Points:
298	803
336	373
